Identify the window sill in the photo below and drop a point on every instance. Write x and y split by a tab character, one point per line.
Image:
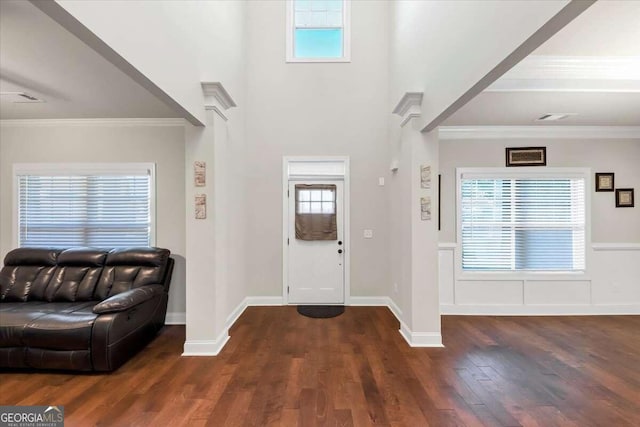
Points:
317	60
526	277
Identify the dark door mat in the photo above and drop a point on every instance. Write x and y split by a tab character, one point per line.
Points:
321	311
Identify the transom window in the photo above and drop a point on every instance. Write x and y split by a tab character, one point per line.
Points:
518	222
85	205
316	202
318	31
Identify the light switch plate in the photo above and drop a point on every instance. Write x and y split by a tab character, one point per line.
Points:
368	234
381	181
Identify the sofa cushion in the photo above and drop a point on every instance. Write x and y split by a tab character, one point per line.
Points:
12	324
15	318
26	273
127	269
60	331
77	275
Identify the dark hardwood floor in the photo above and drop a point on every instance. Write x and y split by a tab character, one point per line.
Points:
280	368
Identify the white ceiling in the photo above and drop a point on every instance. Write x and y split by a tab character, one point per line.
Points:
607	31
39	57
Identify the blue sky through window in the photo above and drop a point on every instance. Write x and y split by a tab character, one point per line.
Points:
318	43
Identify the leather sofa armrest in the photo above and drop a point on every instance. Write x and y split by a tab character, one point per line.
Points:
126	300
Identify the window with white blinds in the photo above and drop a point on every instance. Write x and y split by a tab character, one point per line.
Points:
532	222
85	205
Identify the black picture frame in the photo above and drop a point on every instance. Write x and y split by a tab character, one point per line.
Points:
605	181
624	198
526	156
439	200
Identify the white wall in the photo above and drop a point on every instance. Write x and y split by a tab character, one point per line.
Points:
162	145
443	48
613	263
338	109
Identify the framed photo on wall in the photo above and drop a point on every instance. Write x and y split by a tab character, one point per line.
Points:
624	198
526	156
605	181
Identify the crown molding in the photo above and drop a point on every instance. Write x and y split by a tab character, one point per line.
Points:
546	132
565	85
217	110
409	106
106	122
571	74
215	92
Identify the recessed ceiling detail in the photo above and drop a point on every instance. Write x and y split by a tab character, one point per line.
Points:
572	74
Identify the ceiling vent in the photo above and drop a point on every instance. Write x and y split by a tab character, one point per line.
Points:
553	117
19	98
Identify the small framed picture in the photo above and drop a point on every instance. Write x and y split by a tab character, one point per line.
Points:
624	198
201	206
526	156
199	173
604	181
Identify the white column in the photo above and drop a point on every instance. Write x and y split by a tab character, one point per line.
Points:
416	266
207	239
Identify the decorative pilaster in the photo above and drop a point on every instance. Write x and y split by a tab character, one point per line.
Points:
409	107
217	98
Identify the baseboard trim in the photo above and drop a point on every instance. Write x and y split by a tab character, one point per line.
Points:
369	301
175	318
395	309
266	301
539	310
420	339
206	347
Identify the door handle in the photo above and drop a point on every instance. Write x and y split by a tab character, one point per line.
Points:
339	251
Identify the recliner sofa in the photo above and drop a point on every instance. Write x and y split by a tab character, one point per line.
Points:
80	309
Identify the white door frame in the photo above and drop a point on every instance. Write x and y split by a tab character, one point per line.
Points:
326	174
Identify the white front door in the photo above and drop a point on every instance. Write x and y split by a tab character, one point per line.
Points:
316	267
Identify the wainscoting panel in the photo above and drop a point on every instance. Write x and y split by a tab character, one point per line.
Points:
551	292
612	286
616	280
485	292
446	275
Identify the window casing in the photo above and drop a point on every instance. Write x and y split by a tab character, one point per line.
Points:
98	205
520	222
318	31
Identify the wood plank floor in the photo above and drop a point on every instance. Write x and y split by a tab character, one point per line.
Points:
282	369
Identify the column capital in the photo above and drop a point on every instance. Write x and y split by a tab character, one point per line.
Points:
217	98
409	106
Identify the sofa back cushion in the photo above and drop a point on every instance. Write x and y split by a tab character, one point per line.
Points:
77	275
127	269
26	273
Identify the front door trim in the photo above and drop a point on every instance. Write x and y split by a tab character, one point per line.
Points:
315	173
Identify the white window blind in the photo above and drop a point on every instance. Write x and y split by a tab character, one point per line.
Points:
105	209
522	224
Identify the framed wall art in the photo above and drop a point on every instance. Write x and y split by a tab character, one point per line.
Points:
526	156
624	198
605	181
199	173
201	206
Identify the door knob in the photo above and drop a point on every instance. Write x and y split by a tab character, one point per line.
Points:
339	242
339	251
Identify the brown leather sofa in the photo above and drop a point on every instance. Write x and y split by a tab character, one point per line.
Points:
80	309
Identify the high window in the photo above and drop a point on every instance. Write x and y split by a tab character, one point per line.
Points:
99	205
522	221
318	30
